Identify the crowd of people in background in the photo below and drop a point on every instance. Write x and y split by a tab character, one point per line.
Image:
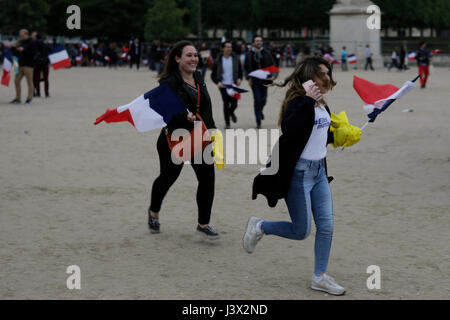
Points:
33	63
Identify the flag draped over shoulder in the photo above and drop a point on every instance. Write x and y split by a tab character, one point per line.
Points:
378	98
59	58
152	110
7	66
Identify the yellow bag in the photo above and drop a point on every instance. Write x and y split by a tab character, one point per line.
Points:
217	148
345	134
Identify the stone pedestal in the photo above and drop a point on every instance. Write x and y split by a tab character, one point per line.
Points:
348	27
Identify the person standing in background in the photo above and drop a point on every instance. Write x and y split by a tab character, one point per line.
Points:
423	57
41	65
25	50
227	69
344	59
369	55
135	53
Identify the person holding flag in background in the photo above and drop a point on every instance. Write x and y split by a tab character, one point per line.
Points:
302	177
227	70
257	59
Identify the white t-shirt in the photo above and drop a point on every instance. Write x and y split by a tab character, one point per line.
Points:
316	147
227	67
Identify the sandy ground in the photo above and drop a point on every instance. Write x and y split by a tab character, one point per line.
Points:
72	193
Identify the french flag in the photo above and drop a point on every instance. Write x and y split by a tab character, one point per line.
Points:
78	59
435	51
264	73
152	110
59	58
352	59
107	59
84	46
378	98
123	56
329	57
7	65
412	56
234	91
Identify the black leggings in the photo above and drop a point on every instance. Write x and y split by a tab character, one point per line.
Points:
229	105
169	174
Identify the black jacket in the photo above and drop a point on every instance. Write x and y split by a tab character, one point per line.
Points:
254	62
26	57
296	128
177	84
216	74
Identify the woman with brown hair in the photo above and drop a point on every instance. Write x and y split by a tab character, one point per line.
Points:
301	178
181	76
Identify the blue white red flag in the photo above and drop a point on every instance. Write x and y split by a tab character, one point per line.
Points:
59	58
331	59
234	91
7	66
412	56
264	73
378	98
352	59
152	110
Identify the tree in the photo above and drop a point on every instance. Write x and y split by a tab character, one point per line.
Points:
24	14
164	21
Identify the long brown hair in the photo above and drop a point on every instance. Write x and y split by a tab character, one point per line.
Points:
171	65
304	71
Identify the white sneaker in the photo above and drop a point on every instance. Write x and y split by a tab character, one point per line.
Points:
251	236
327	284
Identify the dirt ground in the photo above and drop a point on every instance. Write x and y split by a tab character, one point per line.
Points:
72	193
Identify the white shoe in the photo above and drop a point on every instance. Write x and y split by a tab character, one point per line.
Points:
327	284
251	236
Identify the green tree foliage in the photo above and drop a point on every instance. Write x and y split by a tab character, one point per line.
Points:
164	20
170	19
28	14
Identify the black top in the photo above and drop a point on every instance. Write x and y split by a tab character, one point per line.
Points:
216	74
296	128
188	96
255	60
26	57
423	57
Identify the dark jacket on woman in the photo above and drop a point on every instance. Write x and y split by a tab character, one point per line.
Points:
189	99
216	74
296	128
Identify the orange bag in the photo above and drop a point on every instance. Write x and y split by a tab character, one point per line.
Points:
191	140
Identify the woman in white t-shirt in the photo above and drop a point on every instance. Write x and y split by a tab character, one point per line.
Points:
301	178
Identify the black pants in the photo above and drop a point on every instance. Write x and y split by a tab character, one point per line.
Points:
169	174
260	98
229	105
368	64
38	70
135	59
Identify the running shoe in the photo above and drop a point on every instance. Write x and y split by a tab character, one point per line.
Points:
251	236
327	284
208	232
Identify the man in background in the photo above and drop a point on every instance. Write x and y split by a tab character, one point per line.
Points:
25	50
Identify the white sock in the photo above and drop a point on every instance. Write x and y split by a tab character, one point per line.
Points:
258	226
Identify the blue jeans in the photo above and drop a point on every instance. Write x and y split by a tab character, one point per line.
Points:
308	194
260	98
